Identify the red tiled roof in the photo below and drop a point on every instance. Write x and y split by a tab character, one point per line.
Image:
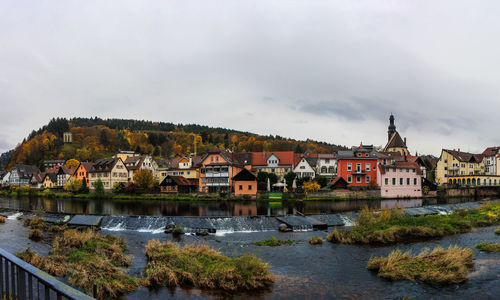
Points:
490	151
260	158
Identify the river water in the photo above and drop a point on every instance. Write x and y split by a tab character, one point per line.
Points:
207	208
302	271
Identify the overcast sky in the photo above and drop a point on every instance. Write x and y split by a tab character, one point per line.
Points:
327	70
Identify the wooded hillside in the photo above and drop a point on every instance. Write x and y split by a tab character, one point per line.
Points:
94	138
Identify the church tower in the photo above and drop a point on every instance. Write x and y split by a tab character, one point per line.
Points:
391	129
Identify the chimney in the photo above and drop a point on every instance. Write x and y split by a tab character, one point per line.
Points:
405	140
458	150
264	154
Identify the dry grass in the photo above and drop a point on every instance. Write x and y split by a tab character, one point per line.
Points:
203	267
35	234
488	247
89	259
437	267
315	240
2	219
391	226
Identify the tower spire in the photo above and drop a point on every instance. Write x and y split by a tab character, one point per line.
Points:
391	129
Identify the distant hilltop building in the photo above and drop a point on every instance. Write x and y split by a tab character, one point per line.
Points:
394	141
68	137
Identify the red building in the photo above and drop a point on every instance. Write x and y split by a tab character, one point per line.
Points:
358	167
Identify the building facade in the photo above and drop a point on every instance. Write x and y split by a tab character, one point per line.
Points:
217	171
21	175
358	167
394	141
306	167
453	163
491	158
326	165
279	162
400	179
82	172
109	171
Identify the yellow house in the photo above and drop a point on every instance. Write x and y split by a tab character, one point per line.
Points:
109	171
454	163
49	180
186	167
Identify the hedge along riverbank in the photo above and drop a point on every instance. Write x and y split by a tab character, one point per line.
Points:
392	226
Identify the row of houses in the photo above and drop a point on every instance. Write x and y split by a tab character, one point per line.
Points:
391	169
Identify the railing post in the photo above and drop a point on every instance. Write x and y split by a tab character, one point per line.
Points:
6	266
1	277
21	284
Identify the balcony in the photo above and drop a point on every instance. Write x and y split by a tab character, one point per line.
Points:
217	174
453	168
359	172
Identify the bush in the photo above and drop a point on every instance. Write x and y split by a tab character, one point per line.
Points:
203	267
315	240
178	230
35	234
2	219
497	231
311	186
144	179
437	267
98	187
131	188
118	188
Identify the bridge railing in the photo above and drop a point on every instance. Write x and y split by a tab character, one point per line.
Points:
20	280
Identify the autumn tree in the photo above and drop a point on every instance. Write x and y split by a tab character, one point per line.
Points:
311	186
144	179
72	163
72	185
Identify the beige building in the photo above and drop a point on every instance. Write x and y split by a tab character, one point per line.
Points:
454	163
136	163
110	171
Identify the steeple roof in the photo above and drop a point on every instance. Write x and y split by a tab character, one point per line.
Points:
395	142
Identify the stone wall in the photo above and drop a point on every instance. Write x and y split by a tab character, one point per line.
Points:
346	194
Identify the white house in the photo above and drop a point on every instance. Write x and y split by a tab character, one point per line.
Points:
4	178
305	167
63	174
135	163
491	158
326	165
21	175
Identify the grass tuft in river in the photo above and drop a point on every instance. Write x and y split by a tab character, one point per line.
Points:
391	226
315	240
437	267
89	259
488	247
497	231
203	267
273	242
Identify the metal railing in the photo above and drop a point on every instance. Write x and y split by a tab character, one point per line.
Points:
20	280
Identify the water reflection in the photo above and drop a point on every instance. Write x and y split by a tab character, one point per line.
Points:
208	208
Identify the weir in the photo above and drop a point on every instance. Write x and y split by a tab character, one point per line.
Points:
193	224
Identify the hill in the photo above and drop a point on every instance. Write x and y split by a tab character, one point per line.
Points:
94	138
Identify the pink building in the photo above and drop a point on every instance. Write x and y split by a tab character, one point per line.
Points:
400	179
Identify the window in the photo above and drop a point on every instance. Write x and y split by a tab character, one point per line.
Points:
445	161
471	166
463	165
386	181
413	170
415	181
407	170
241	187
358	167
327	161
401	181
394	169
349	167
212	159
367	179
393	181
407	181
349	178
249	187
367	154
368	167
216	158
358	179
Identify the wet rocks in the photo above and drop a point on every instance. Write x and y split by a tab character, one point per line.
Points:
284	228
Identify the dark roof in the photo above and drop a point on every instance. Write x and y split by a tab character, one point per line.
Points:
395	142
242	158
65	170
465	156
87	165
244	175
25	171
104	165
52	177
338	181
179	180
353	154
490	151
134	162
395	155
